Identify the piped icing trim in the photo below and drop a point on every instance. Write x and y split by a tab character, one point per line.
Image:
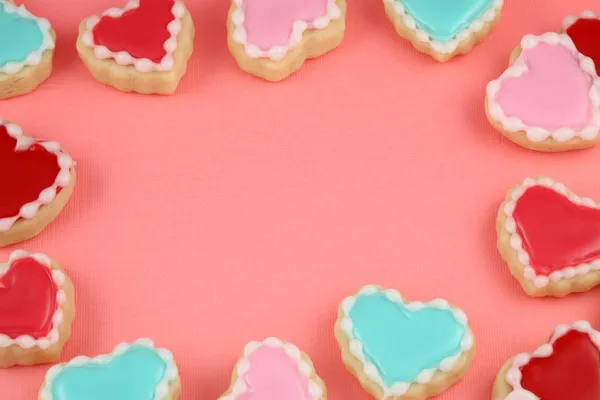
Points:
277	53
516	241
35	57
571	19
514	375
123	57
426	375
450	46
26	341
243	366
47	196
162	389
519	67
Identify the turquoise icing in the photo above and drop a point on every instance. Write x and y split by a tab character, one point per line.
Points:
19	36
132	375
401	343
444	19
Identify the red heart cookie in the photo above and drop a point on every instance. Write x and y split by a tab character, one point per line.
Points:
30	301
565	368
585	33
33	173
549	234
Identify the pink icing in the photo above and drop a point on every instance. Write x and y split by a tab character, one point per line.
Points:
273	375
554	93
269	23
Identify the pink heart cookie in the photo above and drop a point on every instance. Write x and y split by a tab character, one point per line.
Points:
549	98
272	39
274	370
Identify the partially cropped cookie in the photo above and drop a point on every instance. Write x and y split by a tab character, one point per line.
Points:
143	47
274	369
402	350
444	29
26	50
37	180
133	371
272	39
37	306
584	31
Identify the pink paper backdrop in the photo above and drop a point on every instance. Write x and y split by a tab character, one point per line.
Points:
239	209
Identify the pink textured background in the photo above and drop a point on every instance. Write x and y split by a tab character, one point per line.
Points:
239	209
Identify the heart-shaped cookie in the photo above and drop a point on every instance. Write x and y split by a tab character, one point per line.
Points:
142	47
272	39
273	369
549	98
550	238
585	33
36	309
444	29
403	350
37	179
566	367
135	371
26	50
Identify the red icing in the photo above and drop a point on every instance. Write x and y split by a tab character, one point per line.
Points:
572	372
27	299
556	232
24	174
142	31
585	33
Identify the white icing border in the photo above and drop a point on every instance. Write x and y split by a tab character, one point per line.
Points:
514	375
571	19
124	58
516	241
450	46
519	67
47	196
242	367
425	376
35	57
26	341
277	53
162	389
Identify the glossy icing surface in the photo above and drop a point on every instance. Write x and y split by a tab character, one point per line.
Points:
19	36
443	19
585	33
401	342
141	32
25	174
571	372
27	299
556	232
553	93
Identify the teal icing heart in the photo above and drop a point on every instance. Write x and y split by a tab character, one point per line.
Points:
443	20
23	37
135	371
401	343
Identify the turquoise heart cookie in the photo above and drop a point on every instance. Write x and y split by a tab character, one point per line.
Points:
23	38
402	343
443	20
134	371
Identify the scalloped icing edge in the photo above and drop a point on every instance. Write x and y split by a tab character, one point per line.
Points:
243	366
513	375
571	19
426	375
450	46
47	196
516	242
123	57
534	133
278	53
162	388
26	341
35	57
